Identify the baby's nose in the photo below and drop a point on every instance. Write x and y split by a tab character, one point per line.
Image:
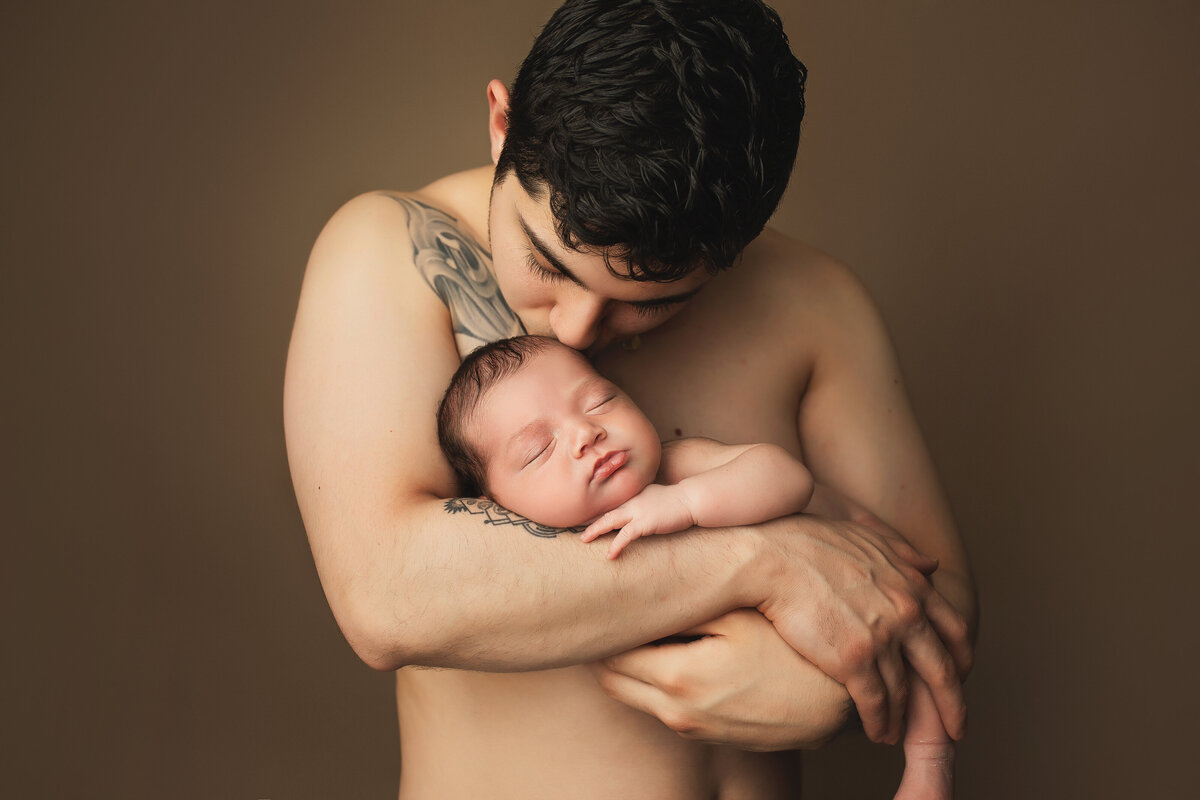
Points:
586	435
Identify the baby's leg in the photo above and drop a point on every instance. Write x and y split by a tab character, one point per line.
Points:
928	751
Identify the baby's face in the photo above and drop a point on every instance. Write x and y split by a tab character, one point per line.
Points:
562	444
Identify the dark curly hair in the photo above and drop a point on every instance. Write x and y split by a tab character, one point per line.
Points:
478	372
665	130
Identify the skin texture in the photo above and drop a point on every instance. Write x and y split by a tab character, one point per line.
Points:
413	580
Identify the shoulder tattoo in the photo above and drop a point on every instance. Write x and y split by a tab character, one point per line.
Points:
458	270
495	514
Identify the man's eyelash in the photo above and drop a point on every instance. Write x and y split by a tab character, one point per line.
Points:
554	276
541	272
649	311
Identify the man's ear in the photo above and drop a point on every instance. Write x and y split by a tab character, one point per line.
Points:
497	94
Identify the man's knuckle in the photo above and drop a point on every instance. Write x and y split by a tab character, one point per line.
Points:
945	673
968	659
673	683
606	682
909	612
871	695
681	721
858	648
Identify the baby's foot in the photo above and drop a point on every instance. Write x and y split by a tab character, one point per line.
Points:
928	771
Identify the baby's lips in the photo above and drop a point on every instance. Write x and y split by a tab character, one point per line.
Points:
609	464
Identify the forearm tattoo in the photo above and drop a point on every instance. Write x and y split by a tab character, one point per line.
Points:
459	271
496	514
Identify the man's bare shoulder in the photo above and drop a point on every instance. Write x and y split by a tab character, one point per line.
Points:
386	218
798	271
465	196
786	296
415	245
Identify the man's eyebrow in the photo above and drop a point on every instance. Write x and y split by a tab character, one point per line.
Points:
555	262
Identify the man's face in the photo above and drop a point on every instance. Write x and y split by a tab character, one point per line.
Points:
562	444
568	295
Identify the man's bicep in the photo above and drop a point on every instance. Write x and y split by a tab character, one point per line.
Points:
859	433
371	353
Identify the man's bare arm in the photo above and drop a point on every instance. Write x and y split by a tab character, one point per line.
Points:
410	583
861	439
409	579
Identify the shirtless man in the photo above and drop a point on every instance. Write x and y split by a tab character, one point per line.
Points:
629	140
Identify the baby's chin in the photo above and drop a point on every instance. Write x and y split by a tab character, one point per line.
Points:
613	500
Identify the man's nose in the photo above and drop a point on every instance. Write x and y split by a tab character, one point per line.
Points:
576	319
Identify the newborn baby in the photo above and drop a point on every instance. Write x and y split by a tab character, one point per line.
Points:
530	424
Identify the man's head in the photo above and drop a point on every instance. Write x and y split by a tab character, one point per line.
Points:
658	135
661	131
529	422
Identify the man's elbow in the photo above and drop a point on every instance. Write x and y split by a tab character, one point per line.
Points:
383	641
376	653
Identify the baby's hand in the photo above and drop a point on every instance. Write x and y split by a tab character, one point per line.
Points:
656	509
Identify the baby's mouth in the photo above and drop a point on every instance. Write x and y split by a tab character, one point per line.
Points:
609	463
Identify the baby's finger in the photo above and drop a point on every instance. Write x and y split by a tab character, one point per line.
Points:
627	535
597	528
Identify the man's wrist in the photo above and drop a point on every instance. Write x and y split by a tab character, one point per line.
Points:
761	564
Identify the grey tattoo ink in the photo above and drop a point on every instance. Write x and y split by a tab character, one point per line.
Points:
458	270
495	514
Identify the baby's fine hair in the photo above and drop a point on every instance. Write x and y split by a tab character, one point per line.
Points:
479	372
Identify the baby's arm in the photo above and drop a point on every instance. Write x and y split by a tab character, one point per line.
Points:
712	485
928	751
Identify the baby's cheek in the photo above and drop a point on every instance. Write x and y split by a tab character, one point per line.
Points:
628	484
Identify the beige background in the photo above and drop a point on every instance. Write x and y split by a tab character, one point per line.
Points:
1016	182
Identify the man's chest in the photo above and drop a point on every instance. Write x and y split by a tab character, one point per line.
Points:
716	378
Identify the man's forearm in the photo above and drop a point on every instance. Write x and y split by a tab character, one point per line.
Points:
467	584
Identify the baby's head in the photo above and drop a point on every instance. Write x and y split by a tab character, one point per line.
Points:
531	424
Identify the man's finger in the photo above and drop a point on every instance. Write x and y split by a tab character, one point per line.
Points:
632	692
870	698
952	628
933	663
895	678
653	664
927	565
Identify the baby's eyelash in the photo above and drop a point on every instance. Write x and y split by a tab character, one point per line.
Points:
541	272
539	453
602	402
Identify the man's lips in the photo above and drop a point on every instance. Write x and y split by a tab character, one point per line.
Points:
609	464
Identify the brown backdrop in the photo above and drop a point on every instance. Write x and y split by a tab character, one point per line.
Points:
1017	183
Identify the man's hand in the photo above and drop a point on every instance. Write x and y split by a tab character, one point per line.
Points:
740	684
855	599
656	509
